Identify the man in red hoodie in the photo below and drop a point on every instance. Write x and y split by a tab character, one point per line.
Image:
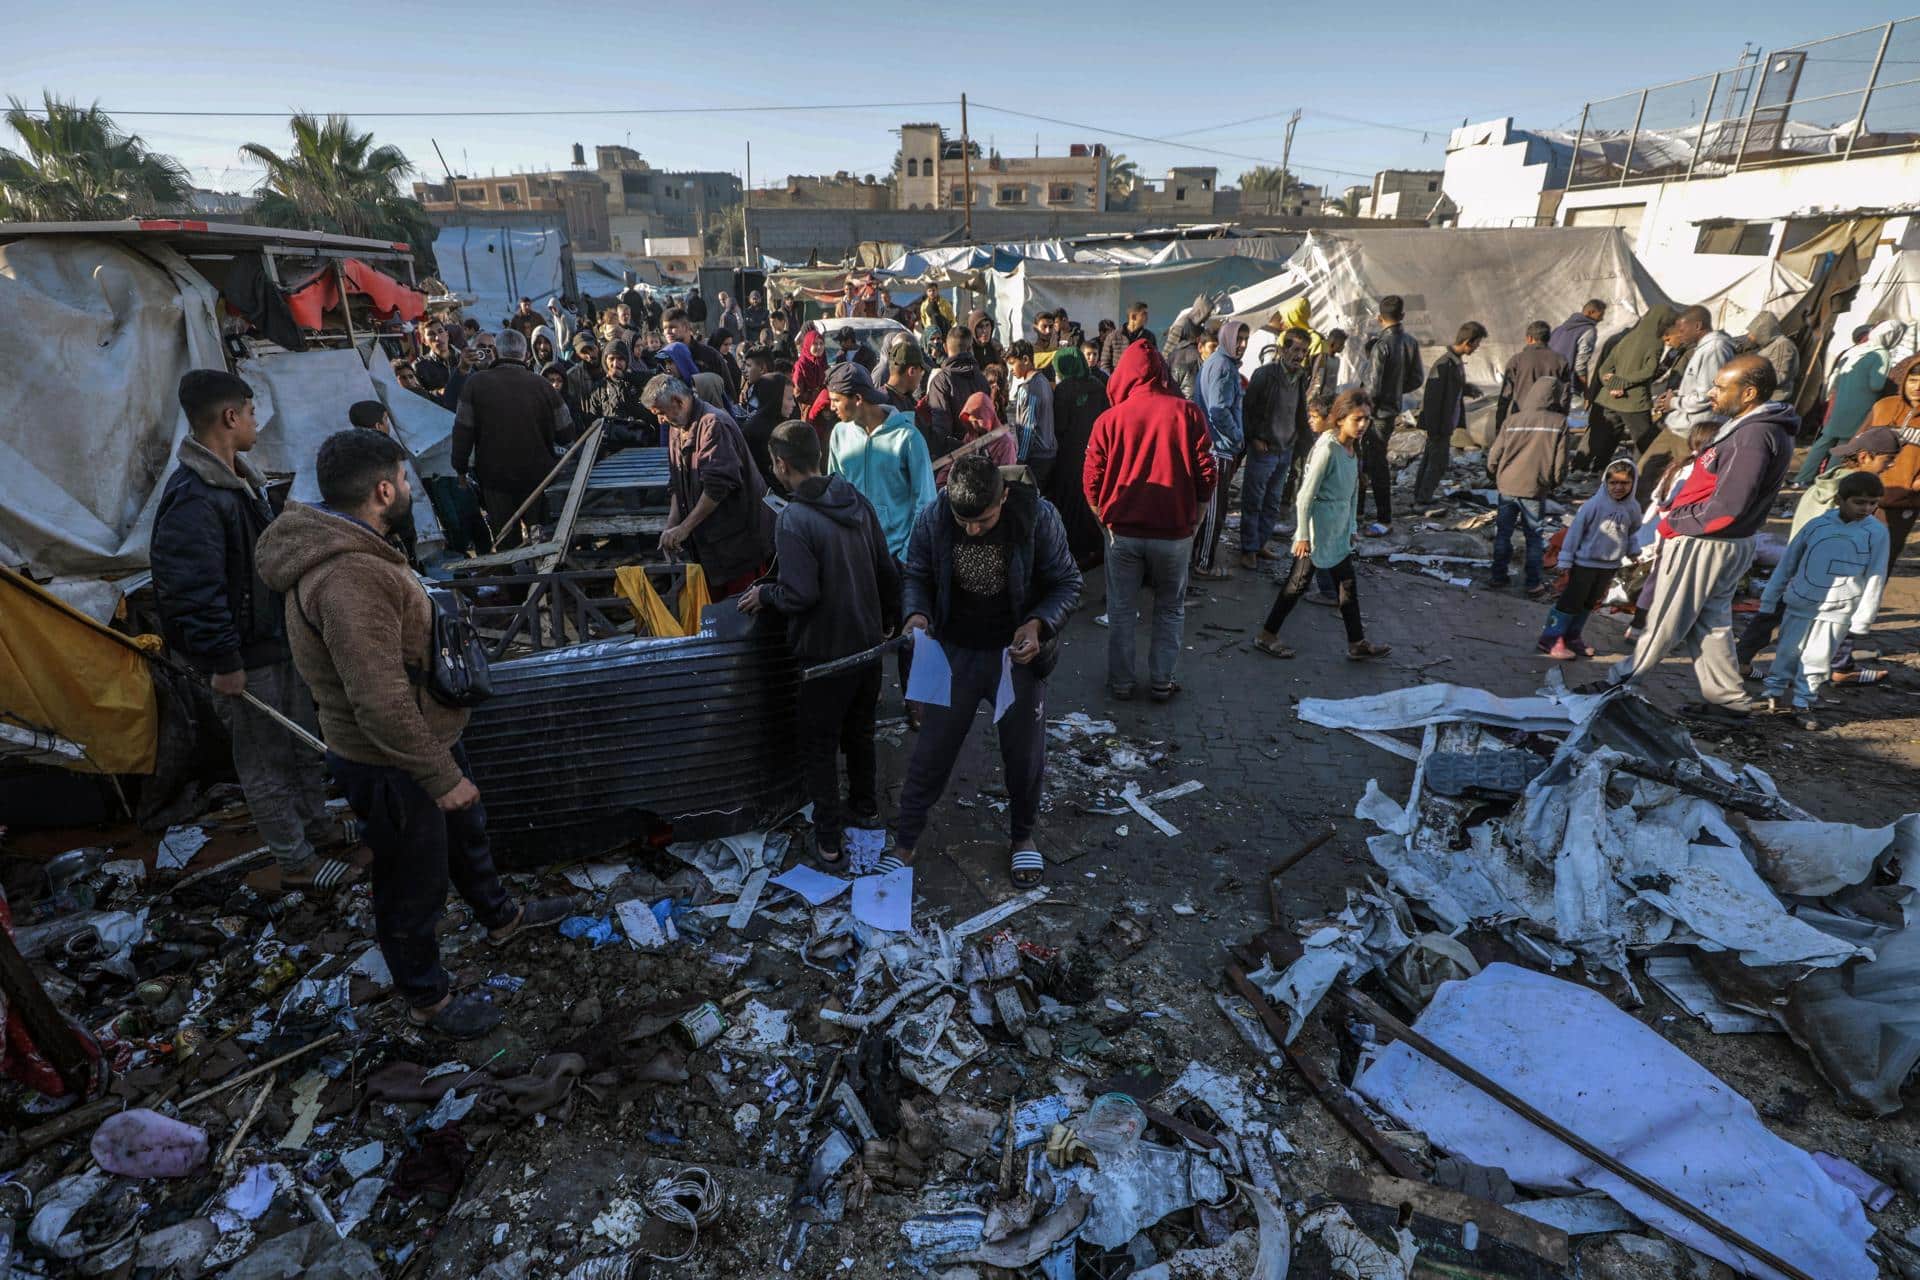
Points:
1149	472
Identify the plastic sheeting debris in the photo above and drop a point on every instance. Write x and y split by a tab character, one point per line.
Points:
1368	933
1601	1073
1442	703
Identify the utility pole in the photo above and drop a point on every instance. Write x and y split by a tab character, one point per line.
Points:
966	167
1286	153
443	158
746	199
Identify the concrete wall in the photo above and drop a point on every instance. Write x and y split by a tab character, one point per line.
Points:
792	235
1671	211
1495	176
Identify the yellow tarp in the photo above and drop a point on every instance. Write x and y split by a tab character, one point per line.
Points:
62	671
632	583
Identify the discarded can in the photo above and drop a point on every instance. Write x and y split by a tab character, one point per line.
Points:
273	977
187	1040
701	1025
154	991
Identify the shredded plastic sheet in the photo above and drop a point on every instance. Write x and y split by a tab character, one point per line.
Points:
1601	1073
1442	703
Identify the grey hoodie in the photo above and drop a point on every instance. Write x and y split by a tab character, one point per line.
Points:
1601	535
1770	345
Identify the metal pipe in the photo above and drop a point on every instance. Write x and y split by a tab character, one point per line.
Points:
1626	161
1706	118
1866	95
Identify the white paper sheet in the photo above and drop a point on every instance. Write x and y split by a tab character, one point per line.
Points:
641	925
931	679
817	887
885	902
1570	1053
1003	696
178	846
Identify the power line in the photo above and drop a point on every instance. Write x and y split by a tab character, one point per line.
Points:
595	111
1166	142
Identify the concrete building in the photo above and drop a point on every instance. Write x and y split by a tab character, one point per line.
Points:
228	204
642	201
933	175
1190	194
574	194
1401	193
1750	161
841	191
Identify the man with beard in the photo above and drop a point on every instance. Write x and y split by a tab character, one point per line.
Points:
715	510
361	630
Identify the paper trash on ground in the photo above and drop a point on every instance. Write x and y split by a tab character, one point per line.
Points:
817	888
885	902
642	927
1632	1094
178	846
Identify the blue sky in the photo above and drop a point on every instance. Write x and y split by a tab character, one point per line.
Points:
1380	83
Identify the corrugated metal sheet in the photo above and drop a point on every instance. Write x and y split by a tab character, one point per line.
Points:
584	749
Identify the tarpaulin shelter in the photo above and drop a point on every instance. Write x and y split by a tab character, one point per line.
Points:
1890	291
492	268
69	681
387	298
1502	277
1091	292
1734	288
100	320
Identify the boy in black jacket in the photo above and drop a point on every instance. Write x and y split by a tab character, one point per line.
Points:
217	614
840	589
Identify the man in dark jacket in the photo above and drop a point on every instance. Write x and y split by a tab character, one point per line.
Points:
1526	464
839	588
990	580
1576	340
696	310
1707	537
1536	360
619	399
217	614
1396	372
1275	419
680	328
1119	339
716	507
1443	408
953	384
441	371
1149	472
504	432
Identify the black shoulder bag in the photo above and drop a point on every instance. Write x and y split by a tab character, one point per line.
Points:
456	674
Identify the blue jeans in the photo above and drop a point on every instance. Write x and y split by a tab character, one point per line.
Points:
1132	563
1531	515
1262	479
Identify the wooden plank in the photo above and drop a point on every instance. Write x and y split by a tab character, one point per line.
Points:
563	531
502	559
51	1034
603	526
1394	1029
1331	1096
1457	1207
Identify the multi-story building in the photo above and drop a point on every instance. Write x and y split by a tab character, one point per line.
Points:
642	201
575	194
934	171
841	191
1186	192
1401	193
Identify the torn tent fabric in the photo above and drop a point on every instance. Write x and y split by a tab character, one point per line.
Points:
64	673
633	585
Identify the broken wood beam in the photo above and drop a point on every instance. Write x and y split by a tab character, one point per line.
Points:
49	1029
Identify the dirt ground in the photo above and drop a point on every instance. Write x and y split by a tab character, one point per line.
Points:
537	1195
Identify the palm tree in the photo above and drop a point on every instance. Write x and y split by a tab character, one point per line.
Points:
1122	175
80	167
335	179
1275	184
1347	206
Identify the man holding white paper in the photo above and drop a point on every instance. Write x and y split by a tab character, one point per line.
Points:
989	581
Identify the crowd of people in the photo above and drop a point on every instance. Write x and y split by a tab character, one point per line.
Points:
943	490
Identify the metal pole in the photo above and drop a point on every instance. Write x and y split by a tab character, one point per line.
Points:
1626	161
966	168
1579	140
1866	97
1286	155
746	199
1753	104
1706	117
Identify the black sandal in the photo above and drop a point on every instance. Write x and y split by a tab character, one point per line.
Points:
464	1017
1029	867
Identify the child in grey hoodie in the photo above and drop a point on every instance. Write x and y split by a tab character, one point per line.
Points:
1828	585
1598	540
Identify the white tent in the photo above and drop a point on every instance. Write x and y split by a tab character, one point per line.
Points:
492	268
1891	291
1735	288
1502	277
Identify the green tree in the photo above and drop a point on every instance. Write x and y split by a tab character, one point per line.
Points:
1122	176
1347	206
1273	184
335	179
79	166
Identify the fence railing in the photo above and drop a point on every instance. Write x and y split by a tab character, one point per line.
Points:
1841	96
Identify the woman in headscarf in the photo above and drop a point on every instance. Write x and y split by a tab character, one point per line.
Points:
978	419
1900	505
1078	398
773	398
1626	375
1855	393
810	369
1297	313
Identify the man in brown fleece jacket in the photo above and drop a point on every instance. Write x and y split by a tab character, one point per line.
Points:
360	624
